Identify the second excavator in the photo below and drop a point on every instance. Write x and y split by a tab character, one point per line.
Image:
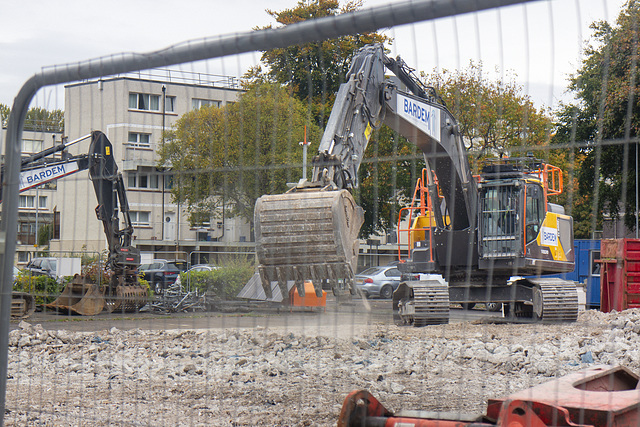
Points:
83	295
480	236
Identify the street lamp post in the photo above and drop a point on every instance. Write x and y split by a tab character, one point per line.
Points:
304	144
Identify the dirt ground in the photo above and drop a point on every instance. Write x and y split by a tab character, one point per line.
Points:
289	369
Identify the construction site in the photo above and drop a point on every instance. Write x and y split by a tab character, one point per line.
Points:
358	231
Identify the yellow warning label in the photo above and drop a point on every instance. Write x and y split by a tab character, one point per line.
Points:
107	151
367	132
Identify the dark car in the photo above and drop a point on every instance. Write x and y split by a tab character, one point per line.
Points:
378	281
43	266
161	273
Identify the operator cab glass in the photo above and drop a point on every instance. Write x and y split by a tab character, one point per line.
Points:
535	211
499	221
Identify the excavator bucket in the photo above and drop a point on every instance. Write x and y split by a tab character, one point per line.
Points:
80	297
128	298
23	305
307	235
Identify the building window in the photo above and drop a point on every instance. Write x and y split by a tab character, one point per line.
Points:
27	202
200	220
199	103
139	140
169	104
32	145
144	101
154	181
140	218
168	182
143	180
30	202
150	102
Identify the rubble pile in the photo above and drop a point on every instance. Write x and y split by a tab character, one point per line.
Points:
273	376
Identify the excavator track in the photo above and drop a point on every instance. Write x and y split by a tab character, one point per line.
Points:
422	303
553	300
431	304
23	305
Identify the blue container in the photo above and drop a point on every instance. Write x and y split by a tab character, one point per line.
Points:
587	270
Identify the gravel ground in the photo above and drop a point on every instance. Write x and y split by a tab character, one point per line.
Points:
279	377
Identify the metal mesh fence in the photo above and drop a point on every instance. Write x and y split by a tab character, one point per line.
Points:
497	253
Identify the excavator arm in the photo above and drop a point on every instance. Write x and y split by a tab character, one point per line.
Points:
123	292
310	233
112	205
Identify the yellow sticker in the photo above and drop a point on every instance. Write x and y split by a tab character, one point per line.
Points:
367	131
107	151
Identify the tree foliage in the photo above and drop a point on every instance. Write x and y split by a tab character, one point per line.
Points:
315	70
387	178
495	116
234	154
38	119
4	115
607	109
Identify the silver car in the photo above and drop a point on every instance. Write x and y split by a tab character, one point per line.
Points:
195	269
378	281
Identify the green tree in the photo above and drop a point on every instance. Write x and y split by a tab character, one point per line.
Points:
315	70
495	116
38	119
4	115
45	234
578	203
387	177
607	108
235	154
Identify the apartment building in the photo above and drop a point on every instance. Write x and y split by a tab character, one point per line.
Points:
133	111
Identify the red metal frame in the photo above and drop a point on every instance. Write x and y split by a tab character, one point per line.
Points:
620	274
597	396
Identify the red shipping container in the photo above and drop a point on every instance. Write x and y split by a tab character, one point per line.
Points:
620	274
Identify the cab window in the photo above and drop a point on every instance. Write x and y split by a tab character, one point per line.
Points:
535	211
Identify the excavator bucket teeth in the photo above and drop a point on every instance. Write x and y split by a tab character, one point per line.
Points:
307	235
23	305
79	297
128	298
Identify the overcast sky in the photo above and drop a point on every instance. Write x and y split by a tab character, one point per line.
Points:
540	43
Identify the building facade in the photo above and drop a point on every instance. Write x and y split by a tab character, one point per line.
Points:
133	111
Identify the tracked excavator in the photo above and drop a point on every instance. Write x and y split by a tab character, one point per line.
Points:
476	241
82	295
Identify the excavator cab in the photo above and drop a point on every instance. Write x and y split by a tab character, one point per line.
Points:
519	231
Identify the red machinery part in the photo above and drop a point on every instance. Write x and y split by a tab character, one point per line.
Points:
620	274
598	396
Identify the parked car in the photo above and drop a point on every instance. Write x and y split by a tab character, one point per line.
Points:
195	269
161	273
378	281
43	266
